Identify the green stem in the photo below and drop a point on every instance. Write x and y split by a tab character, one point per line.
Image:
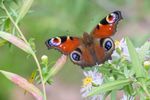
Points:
146	91
40	72
33	54
22	36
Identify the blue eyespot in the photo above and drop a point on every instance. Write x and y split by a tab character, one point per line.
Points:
108	45
76	56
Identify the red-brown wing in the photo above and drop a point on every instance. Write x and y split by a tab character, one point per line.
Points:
64	44
82	56
103	49
107	26
96	53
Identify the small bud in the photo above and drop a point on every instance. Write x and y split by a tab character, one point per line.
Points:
111	78
44	59
147	64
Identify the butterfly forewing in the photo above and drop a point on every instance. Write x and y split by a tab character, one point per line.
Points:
64	44
107	26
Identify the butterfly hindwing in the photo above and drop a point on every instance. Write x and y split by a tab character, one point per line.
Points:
87	55
82	56
103	49
64	44
107	26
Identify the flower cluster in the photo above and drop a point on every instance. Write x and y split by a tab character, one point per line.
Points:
119	68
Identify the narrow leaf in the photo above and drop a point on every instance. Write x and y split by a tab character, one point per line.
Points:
136	63
109	86
23	83
24	9
58	65
144	51
16	41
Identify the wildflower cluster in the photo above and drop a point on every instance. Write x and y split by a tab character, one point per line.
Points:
127	73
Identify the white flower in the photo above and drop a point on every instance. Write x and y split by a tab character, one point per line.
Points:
92	79
126	97
146	63
121	50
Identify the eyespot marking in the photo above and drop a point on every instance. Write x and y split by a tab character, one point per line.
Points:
107	44
75	56
54	41
111	18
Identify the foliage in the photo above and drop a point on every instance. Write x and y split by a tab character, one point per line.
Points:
130	76
68	17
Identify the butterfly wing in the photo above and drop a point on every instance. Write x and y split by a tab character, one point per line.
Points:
103	48
107	26
82	56
96	53
65	44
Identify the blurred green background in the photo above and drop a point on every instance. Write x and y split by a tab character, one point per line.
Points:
50	18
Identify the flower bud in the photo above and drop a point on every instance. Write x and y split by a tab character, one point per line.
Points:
44	59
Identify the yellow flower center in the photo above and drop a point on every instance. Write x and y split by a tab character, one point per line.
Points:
117	43
87	81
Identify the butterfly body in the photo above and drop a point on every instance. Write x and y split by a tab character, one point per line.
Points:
91	49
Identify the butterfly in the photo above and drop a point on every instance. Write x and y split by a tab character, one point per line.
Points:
91	49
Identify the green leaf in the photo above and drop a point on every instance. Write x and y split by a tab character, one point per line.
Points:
15	1
16	41
24	9
113	95
144	50
136	62
113	85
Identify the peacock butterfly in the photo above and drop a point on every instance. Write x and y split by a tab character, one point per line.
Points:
91	49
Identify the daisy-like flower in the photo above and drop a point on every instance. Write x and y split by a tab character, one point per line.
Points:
121	50
92	79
